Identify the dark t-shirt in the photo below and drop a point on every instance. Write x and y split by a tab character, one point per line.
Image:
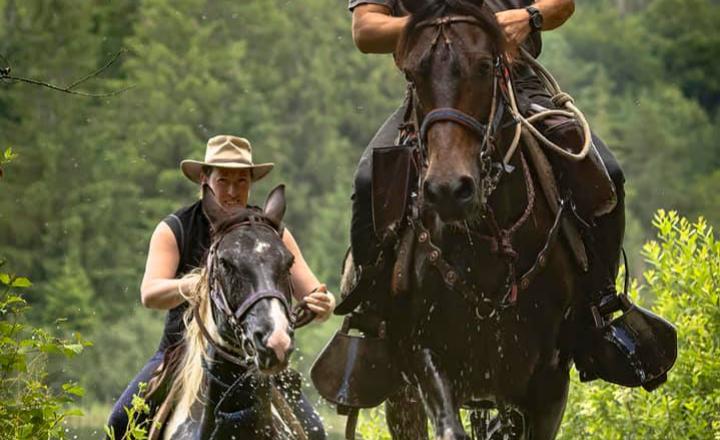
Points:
192	234
533	44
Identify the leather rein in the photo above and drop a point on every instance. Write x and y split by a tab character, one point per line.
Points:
500	238
300	315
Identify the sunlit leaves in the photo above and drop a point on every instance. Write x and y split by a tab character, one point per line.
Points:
681	282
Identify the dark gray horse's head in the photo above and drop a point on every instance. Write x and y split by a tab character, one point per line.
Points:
250	284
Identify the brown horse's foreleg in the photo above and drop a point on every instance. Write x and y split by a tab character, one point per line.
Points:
405	415
550	388
437	393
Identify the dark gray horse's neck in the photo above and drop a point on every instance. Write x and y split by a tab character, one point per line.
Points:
237	404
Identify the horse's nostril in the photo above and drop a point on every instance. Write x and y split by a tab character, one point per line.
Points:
431	192
464	188
259	338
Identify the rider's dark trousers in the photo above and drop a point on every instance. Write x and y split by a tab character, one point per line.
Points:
606	235
118	420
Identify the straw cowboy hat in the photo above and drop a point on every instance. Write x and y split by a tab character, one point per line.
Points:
226	152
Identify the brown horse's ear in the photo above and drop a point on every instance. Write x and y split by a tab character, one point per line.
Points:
275	205
212	208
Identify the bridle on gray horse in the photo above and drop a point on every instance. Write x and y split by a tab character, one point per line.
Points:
300	315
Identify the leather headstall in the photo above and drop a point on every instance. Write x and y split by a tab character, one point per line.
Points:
219	299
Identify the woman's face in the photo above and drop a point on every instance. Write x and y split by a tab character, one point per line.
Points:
231	186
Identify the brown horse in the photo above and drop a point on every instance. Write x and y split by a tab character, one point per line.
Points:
491	291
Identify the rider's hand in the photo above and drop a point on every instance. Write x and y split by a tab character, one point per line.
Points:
322	303
515	23
188	284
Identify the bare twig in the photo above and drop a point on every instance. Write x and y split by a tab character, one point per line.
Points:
107	65
6	76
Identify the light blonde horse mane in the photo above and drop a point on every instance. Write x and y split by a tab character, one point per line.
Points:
190	372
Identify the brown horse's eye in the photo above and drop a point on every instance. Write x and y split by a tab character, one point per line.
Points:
484	68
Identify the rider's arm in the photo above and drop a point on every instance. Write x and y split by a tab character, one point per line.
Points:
374	30
306	284
159	288
516	22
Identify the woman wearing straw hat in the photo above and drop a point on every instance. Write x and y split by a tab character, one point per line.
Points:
178	246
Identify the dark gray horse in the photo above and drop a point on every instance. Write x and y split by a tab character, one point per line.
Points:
241	333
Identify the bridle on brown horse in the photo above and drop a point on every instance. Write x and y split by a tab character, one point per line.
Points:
492	169
300	315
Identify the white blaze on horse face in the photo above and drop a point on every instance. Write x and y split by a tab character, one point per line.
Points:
261	247
279	340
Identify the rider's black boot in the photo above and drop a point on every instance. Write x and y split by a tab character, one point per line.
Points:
619	341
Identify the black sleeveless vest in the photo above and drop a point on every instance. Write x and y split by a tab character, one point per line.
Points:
192	234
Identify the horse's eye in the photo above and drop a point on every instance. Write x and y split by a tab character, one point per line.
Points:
484	68
226	265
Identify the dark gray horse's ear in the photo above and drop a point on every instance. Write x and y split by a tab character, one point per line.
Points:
275	205
212	208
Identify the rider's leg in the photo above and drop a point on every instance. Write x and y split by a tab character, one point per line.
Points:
118	420
606	233
609	229
364	243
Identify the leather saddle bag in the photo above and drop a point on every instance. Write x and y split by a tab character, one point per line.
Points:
394	177
355	371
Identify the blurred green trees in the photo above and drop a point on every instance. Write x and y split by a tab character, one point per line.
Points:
30	407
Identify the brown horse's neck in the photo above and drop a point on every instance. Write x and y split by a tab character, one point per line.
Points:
510	199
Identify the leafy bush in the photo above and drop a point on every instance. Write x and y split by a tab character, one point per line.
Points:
29	408
681	284
138	424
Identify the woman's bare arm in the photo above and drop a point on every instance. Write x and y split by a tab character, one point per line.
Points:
159	287
306	283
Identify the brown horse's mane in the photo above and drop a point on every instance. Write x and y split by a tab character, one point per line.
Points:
442	8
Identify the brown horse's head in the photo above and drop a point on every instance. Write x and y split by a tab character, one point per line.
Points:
449	52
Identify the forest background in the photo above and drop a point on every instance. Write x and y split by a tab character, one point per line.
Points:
93	176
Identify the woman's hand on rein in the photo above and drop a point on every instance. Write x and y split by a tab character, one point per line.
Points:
322	303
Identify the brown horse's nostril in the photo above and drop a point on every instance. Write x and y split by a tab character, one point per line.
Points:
432	192
459	191
464	189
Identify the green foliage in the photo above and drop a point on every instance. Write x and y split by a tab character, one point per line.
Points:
371	425
29	407
681	284
138	424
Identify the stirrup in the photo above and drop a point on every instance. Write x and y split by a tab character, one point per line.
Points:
636	348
